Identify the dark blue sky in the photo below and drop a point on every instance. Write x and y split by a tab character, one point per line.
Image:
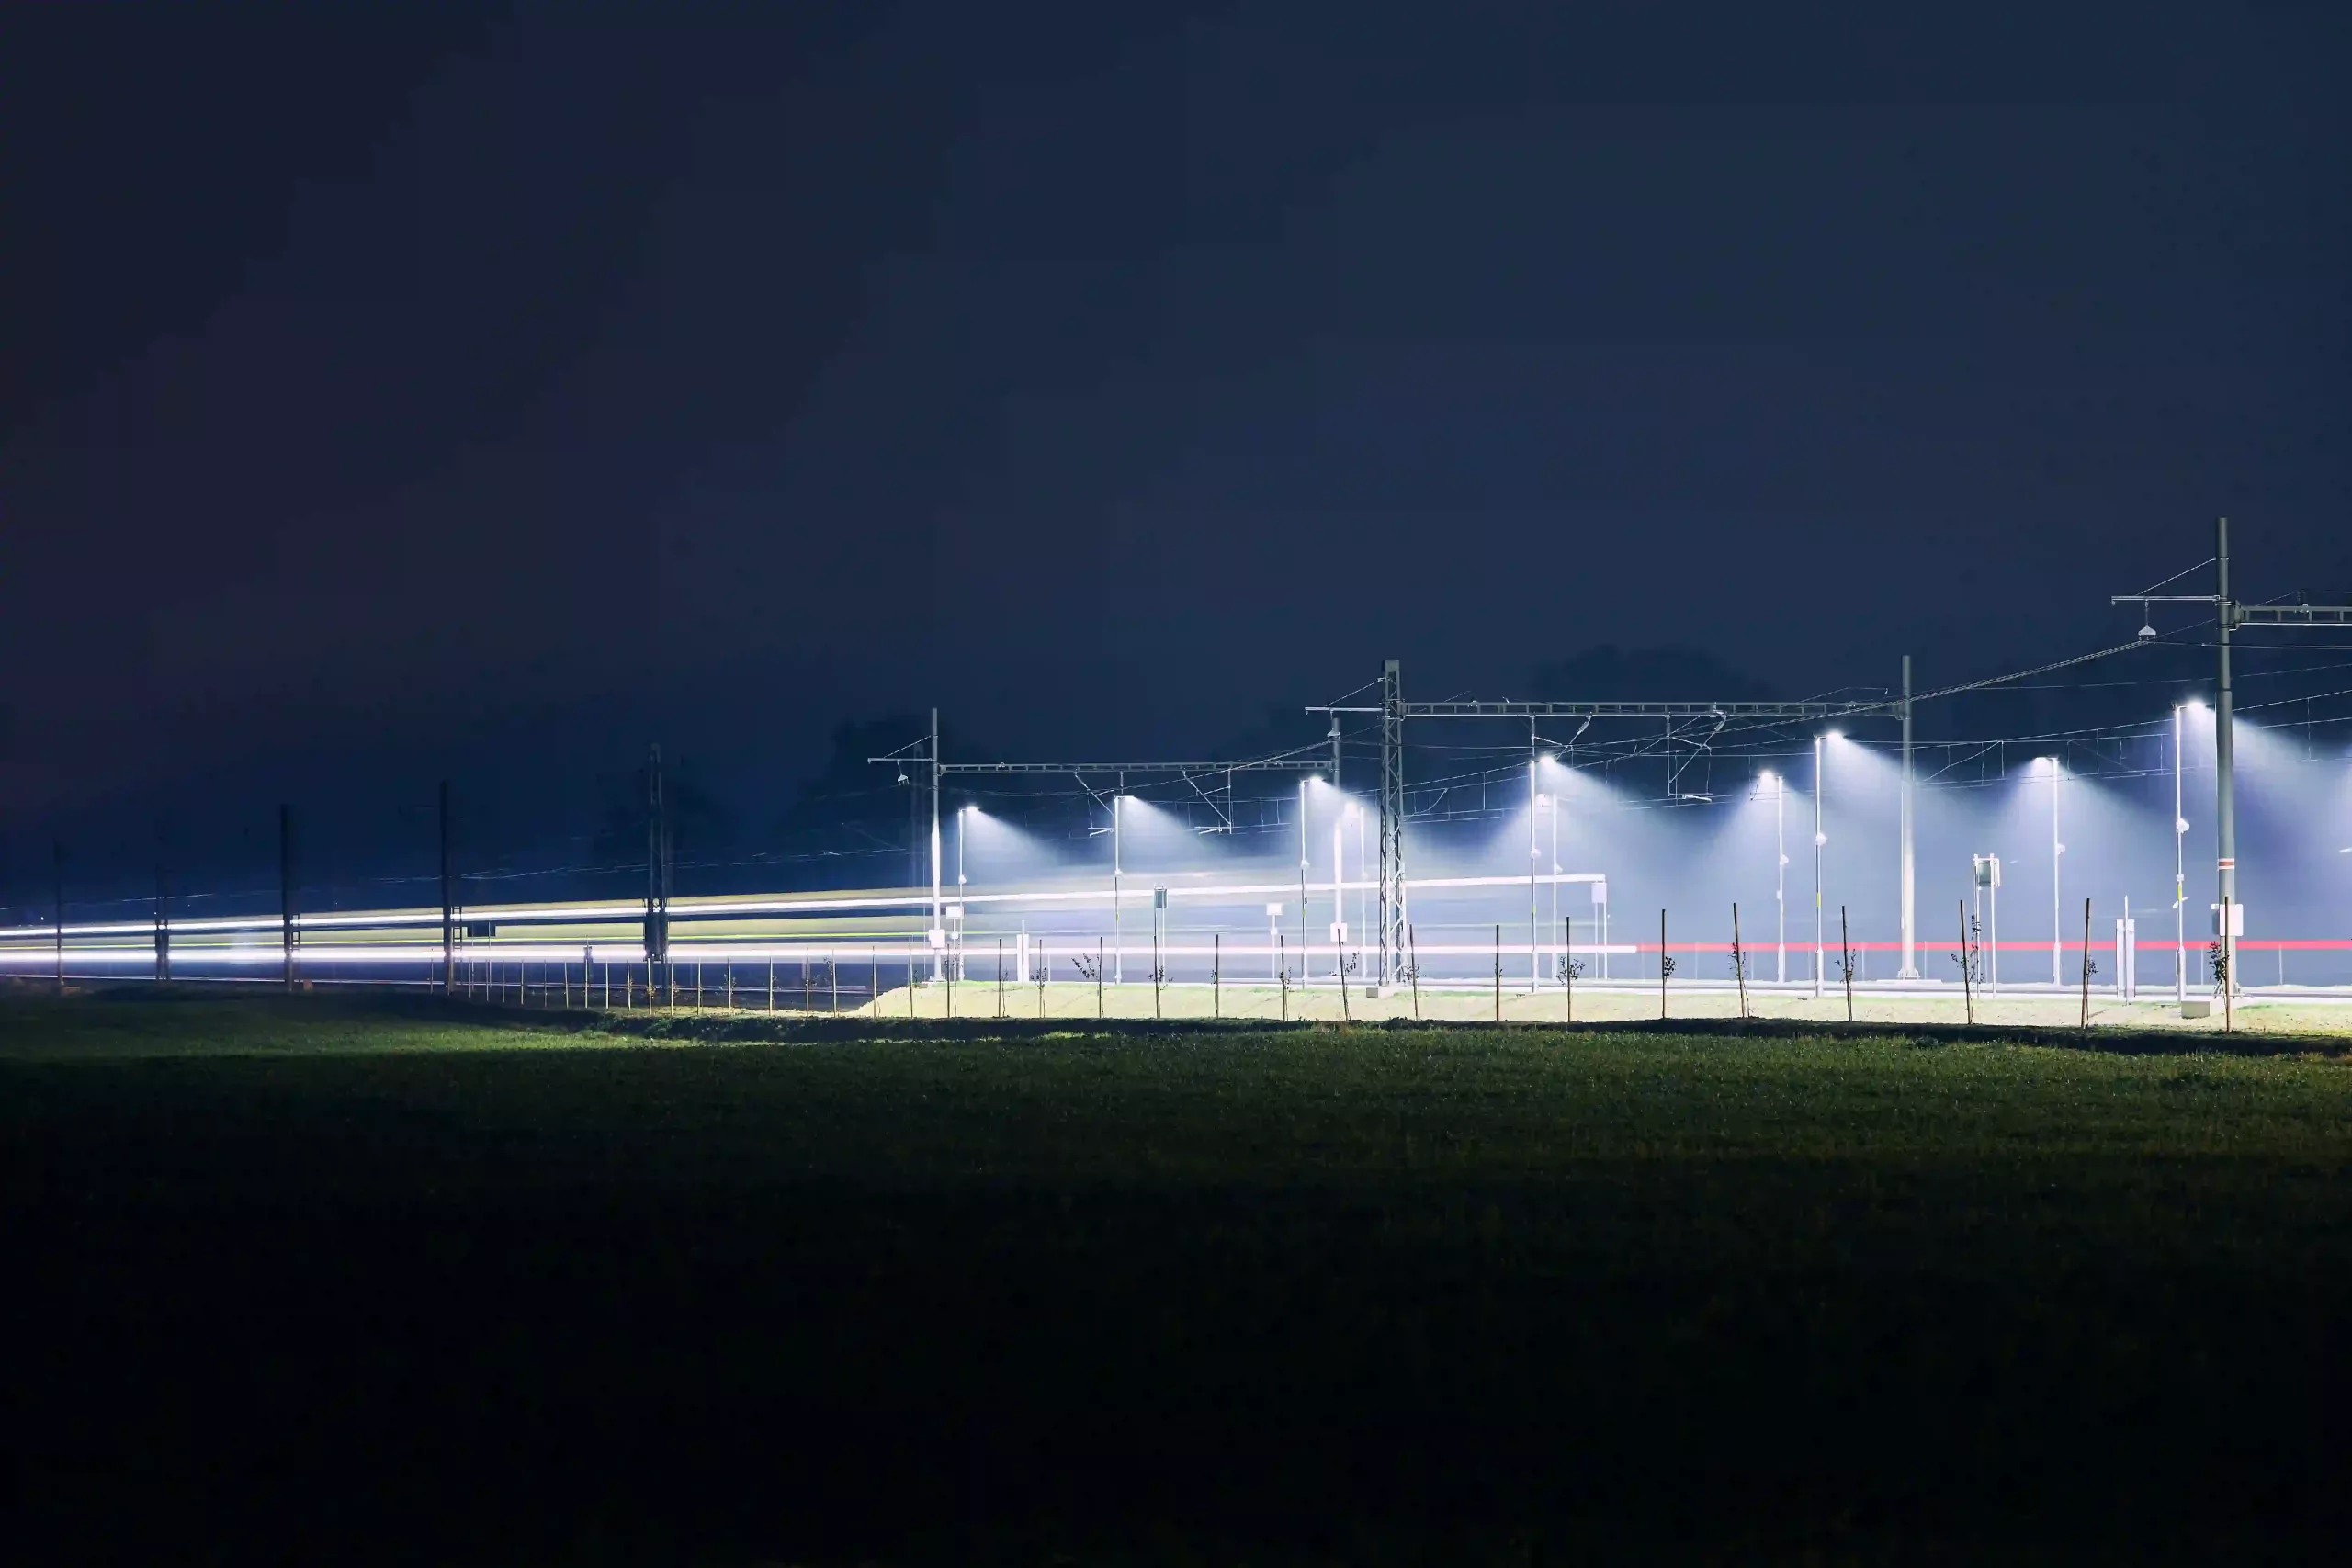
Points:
396	391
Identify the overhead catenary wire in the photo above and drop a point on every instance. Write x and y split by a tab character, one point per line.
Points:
1733	742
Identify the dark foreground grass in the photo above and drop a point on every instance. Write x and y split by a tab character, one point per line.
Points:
327	1281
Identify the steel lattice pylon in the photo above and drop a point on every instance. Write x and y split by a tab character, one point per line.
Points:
1392	822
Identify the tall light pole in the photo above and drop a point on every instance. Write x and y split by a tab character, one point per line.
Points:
963	824
1363	875
1820	839
1535	966
1118	959
1779	867
1910	969
1338	905
938	913
1338	864
1551	805
1780	878
1302	966
2057	908
2179	865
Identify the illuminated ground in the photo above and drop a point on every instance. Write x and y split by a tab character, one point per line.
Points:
319	1280
2263	1012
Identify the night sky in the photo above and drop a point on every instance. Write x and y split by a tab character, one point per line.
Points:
396	392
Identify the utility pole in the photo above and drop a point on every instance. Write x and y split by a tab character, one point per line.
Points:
2228	617
1392	821
936	937
2226	782
57	873
286	887
938	913
657	877
450	901
1910	968
1118	869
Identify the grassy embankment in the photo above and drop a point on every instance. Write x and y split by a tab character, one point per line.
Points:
293	1276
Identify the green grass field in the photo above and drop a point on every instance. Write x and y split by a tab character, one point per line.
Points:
322	1277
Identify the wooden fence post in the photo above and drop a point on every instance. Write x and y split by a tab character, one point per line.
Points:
2087	963
1738	962
1967	964
1846	961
